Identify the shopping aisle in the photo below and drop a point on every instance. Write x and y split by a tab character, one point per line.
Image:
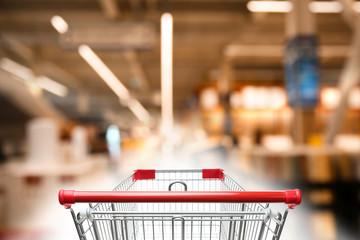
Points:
47	219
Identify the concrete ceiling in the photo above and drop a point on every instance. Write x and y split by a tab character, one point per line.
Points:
202	30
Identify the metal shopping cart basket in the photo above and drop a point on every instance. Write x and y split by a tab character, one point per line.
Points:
178	204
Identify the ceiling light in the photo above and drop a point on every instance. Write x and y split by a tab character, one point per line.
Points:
138	109
286	6
270	6
27	76
325	7
24	73
103	71
59	24
51	86
167	73
34	89
113	82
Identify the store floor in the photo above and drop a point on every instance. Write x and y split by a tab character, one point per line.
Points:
42	217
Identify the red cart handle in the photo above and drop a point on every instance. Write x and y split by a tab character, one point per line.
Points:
290	197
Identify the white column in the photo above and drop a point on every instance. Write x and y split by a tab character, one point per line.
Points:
167	119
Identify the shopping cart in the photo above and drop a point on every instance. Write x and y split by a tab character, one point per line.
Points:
178	204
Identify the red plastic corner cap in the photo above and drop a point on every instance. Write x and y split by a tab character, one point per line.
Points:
213	173
66	198
143	174
293	198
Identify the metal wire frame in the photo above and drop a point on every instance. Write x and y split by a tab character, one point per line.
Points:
195	221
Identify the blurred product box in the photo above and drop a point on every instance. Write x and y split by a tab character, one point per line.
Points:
320	169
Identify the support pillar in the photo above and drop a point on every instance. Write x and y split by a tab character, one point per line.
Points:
350	74
300	31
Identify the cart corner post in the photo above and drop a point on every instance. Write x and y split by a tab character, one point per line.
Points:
293	198
66	198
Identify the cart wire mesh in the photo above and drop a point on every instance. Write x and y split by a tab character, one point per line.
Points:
178	220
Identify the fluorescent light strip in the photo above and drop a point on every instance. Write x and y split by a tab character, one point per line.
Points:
138	109
113	82
51	86
286	6
167	73
325	7
270	6
59	24
29	78
24	73
103	71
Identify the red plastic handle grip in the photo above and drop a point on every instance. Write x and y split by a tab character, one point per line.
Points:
290	197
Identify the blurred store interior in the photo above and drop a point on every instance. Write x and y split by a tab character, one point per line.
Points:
91	90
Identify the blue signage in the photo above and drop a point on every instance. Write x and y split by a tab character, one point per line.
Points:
301	71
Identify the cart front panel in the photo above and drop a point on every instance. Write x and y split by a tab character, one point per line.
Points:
179	220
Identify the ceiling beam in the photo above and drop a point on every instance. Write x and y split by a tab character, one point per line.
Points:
110	8
239	50
136	68
40	65
151	5
349	13
25	99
